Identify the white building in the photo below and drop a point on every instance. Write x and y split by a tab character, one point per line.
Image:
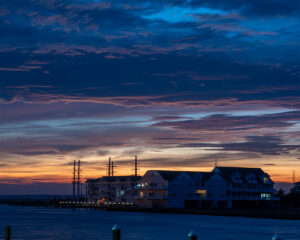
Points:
170	189
239	187
224	187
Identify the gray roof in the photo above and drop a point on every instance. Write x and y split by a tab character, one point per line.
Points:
241	170
116	178
171	175
227	172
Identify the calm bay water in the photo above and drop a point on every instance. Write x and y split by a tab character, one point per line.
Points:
66	224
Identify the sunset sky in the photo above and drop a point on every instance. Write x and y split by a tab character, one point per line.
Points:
179	83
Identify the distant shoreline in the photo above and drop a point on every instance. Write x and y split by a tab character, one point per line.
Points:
274	213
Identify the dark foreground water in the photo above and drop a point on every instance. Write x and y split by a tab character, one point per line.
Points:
45	223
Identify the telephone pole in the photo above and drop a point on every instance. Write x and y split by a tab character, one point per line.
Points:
109	166
216	162
74	179
294	177
112	168
78	181
135	166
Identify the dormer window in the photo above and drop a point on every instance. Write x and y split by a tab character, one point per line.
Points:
237	177
251	178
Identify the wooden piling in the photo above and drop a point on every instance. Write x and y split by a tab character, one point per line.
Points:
116	232
276	237
7	232
192	235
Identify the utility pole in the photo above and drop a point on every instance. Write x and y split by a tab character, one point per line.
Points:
216	162
112	168
109	164
294	177
78	181
135	166
74	179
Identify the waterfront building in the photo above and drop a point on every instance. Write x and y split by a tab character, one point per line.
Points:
239	187
170	189
224	187
112	189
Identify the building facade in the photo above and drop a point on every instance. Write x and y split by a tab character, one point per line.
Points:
224	187
112	189
239	187
170	189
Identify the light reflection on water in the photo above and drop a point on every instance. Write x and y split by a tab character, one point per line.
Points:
64	224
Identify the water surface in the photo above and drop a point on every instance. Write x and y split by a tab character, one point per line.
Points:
67	224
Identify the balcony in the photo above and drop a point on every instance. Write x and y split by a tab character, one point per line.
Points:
152	188
153	197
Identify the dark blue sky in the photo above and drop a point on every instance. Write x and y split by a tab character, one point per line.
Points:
178	82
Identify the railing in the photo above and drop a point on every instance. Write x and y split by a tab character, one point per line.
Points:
116	234
148	187
153	197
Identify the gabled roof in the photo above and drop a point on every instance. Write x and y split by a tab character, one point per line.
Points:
242	171
227	172
121	178
93	180
116	178
171	175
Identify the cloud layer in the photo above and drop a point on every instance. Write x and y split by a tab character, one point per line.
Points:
178	82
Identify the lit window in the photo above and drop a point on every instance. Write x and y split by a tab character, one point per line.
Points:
202	193
265	196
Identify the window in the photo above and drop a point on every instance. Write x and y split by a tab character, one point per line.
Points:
266	179
201	192
265	196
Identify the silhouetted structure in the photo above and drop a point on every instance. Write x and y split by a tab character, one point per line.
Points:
113	188
135	166
108	166
224	187
74	179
